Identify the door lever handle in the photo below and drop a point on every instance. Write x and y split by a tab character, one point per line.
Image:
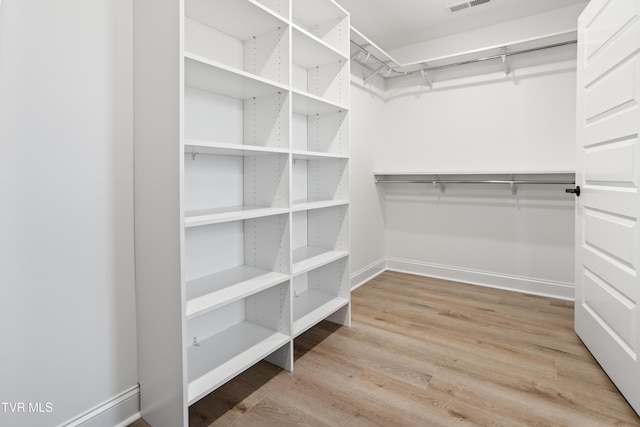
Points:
575	191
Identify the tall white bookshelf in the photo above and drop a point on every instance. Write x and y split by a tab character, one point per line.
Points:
241	188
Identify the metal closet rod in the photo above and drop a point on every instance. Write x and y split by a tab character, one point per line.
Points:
471	181
455	64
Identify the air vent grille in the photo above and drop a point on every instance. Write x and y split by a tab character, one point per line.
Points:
458	7
466	5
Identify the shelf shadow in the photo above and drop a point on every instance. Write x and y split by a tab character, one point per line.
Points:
306	341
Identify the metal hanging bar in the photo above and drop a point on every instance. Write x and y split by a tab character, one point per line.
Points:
502	56
363	48
499	56
471	181
440	183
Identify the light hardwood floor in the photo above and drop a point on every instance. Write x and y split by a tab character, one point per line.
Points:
428	352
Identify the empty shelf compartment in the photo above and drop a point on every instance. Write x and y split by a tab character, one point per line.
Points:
319	293
223	342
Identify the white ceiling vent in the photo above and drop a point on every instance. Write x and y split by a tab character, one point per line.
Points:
466	5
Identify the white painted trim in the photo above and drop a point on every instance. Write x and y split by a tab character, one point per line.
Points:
527	285
133	418
130	397
367	273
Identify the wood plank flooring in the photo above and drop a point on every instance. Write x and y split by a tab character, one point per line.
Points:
428	352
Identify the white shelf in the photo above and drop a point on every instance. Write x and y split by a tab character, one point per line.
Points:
226	149
210	292
312	12
311	307
310	52
456	58
229	214
307	104
361	40
307	258
315	155
226	354
204	74
225	16
303	205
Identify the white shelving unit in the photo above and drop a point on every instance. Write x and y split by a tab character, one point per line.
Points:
242	188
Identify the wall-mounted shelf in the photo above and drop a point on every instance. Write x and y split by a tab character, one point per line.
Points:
378	61
510	179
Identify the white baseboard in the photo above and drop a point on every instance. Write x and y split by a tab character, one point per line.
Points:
131	419
547	288
119	411
367	273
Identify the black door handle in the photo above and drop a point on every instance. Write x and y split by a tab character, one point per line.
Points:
575	191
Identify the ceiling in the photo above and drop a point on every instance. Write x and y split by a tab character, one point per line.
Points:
394	23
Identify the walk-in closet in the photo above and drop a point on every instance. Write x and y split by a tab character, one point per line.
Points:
319	212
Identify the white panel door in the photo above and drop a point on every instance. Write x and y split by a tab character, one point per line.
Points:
608	172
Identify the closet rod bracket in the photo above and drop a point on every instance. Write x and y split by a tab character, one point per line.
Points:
505	65
427	78
514	188
366	79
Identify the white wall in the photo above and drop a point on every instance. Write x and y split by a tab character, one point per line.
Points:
485	123
367	115
483	234
66	180
559	21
